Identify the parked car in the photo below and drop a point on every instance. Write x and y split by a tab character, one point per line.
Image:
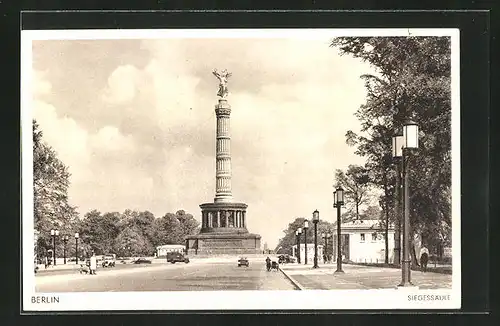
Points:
243	261
108	261
142	261
177	257
285	259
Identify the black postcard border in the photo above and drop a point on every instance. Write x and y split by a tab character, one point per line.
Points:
475	92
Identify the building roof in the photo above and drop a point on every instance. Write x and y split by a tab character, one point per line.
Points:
170	246
365	225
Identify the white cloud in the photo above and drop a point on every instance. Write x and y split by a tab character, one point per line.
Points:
40	85
109	138
121	85
292	103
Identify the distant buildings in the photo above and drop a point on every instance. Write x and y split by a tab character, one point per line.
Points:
310	253
364	241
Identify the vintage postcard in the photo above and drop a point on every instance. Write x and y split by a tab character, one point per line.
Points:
255	169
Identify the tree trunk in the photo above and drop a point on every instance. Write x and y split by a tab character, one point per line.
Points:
413	253
386	199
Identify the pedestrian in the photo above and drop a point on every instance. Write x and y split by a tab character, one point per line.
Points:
93	264
268	264
46	261
424	258
324	259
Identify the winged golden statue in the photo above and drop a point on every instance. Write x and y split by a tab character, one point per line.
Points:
222	76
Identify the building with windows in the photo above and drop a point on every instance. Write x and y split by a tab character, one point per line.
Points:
364	241
310	252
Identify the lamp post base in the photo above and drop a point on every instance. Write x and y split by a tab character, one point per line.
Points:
405	284
315	266
339	271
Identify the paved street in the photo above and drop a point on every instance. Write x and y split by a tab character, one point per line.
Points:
42	272
195	276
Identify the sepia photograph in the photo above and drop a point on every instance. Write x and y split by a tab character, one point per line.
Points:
240	169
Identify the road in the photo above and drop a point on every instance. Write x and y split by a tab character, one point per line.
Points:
167	277
49	271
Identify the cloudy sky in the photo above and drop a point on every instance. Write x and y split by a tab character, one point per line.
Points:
134	120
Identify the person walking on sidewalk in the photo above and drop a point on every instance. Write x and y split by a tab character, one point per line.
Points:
93	264
268	264
424	258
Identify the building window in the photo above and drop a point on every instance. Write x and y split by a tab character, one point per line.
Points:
374	237
362	237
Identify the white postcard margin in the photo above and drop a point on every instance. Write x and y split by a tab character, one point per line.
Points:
231	300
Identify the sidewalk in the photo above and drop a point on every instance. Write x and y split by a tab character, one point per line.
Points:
358	277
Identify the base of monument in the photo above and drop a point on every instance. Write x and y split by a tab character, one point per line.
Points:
207	244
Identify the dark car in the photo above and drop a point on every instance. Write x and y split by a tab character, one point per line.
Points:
243	261
142	261
286	259
177	257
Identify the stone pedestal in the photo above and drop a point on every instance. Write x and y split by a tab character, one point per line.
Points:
223	231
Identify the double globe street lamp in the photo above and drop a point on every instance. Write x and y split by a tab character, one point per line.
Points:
315	221
54	234
338	201
401	148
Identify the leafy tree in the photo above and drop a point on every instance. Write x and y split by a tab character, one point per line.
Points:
99	231
289	240
168	229
131	242
356	185
144	224
188	224
412	82
51	180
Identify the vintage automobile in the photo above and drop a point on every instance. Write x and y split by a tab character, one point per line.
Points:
243	261
285	259
142	261
108	261
177	257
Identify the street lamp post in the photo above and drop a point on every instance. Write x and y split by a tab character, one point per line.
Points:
315	221
65	240
306	226
76	246
397	154
299	231
328	237
54	234
338	201
410	141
